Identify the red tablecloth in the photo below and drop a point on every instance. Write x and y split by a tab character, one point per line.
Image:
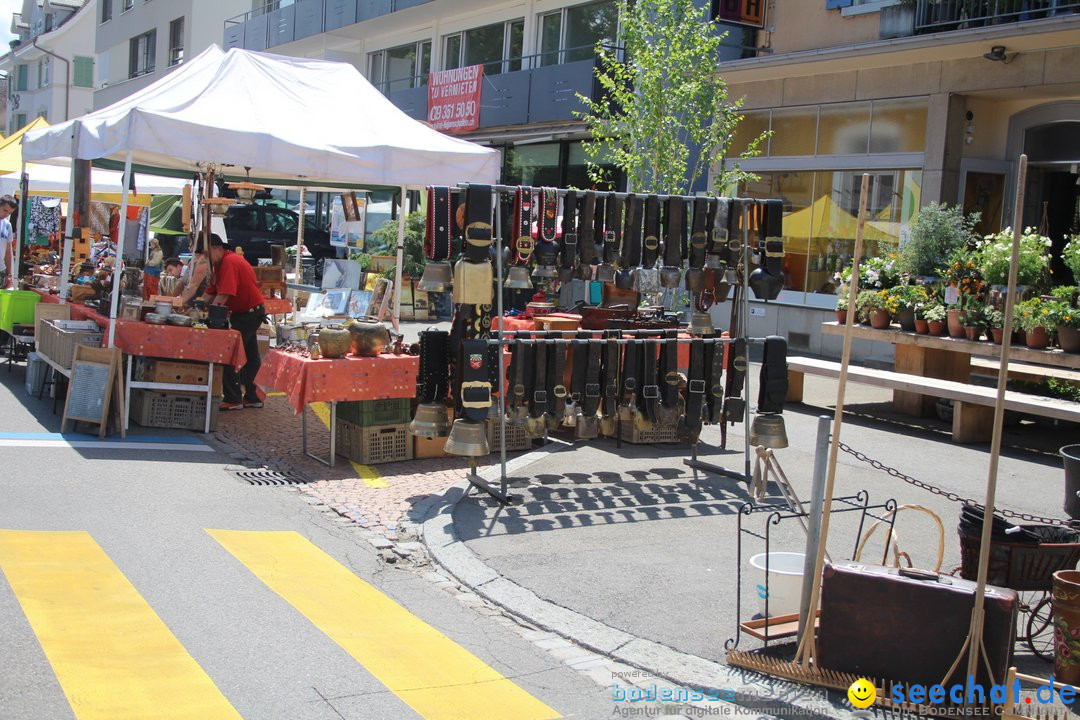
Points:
166	341
306	381
277	306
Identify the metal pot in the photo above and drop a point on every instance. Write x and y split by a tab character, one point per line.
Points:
334	342
368	338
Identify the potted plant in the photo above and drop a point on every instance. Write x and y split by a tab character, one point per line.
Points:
1067	318
937	232
963	278
1034	318
935	318
907	297
865	301
971	316
875	273
994	321
993	255
879	306
841	308
922	326
1070	255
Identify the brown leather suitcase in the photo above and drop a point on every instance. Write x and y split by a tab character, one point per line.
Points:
878	623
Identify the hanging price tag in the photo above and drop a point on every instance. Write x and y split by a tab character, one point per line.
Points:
952	295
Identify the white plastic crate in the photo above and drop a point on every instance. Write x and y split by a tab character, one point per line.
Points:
35	373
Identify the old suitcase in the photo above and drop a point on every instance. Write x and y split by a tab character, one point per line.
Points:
879	623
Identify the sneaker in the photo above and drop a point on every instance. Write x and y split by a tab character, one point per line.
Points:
231	406
253	404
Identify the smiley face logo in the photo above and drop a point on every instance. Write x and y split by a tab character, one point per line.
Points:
862	693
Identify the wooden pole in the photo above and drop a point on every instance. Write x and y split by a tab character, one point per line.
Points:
806	650
118	264
974	639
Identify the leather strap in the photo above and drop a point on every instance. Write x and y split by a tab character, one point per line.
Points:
609	380
557	392
650	391
631	248
586	248
772	231
523	221
773	380
735	235
651	248
569	230
695	388
674	217
714	397
434	365
669	373
734	404
699	238
521	372
598	226
478	230
547	209
718	231
438	237
613	228
538	400
591	402
631	371
475	391
580	349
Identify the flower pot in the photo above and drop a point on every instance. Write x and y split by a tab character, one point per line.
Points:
998	334
1039	338
972	332
1068	338
1020	337
952	319
879	319
906	318
921	326
936	327
1066	605
841	317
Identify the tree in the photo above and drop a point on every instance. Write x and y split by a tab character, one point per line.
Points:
664	115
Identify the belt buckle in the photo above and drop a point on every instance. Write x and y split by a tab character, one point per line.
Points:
592	390
650	392
612	390
630	384
652	242
672	377
485	230
698	240
559	391
476	385
609	237
519	389
540	396
696	386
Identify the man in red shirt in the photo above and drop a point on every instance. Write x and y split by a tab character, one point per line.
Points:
233	284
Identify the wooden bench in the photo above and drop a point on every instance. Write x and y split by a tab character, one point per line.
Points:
973	414
988	367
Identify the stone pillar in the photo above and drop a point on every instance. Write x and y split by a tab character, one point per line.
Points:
944	146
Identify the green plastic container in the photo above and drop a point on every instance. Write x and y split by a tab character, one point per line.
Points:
17	308
368	413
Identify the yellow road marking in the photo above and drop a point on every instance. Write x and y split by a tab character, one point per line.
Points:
112	654
435	676
371	477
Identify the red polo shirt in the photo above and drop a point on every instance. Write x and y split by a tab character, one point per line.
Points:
234	277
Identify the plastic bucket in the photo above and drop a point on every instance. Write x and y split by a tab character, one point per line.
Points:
1071	455
784	587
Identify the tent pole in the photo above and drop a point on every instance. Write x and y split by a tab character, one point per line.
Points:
300	240
400	258
24	219
118	266
69	229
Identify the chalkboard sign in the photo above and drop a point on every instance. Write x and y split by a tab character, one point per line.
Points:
95	388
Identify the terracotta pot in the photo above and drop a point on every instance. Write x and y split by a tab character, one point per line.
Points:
952	319
368	338
1066	604
1069	338
921	326
1039	338
879	319
334	342
841	317
972	332
936	327
998	334
906	318
1020	337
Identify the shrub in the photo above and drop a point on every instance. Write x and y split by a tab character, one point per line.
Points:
1033	313
937	232
994	254
963	272
934	313
1070	255
878	273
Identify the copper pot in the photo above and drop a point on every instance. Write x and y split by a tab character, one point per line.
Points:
334	342
368	338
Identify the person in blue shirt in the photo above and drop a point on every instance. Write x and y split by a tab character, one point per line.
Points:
8	268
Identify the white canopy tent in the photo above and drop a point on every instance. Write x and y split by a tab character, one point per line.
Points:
53	180
290	120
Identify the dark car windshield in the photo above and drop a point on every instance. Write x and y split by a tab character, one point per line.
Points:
280	221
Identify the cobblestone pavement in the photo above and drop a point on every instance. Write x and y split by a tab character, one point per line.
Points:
377	498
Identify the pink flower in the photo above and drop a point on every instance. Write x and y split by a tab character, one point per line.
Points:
1075	632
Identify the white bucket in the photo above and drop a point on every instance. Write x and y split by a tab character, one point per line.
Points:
785	582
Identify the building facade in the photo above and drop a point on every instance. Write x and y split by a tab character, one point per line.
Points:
50	67
139	41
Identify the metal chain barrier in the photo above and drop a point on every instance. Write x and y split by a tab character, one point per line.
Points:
878	465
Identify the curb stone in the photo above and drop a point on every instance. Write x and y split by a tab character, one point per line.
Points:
435	516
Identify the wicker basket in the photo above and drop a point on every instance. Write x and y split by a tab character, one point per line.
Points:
373	444
59	338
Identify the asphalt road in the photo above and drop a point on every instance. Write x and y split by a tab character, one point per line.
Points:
137	605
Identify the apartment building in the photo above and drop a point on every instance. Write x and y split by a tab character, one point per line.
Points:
50	66
139	41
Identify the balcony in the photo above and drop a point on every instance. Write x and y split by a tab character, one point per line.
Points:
274	24
931	16
539	93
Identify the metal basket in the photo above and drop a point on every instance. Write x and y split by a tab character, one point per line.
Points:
1020	566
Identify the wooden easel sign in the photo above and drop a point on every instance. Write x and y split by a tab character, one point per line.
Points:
95	388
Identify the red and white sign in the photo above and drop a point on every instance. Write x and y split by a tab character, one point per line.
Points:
454	99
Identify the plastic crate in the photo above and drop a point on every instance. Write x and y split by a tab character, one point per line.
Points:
516	439
17	307
390	411
35	373
656	434
182	411
373	444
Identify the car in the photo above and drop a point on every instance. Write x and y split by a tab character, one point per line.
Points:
256	227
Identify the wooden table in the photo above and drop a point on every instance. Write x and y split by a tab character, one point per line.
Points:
944	358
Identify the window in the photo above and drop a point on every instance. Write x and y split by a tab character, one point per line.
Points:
20	121
402	67
44	72
22	82
126	5
176	41
106	10
571	34
497	47
83	72
141	54
280	221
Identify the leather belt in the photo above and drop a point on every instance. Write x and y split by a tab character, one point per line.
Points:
631	249
734	404
547	248
557	392
586	248
718	232
520	370
598	226
613	230
579	350
434	365
735	235
478	230
699	238
695	389
674	236
569	230
772	232
438	237
631	371
714	363
590	403
650	391
669	374
651	248
773	382
538	398
523	222
609	380
475	391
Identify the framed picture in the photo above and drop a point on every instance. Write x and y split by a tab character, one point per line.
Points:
338	273
314	302
359	303
348	202
337	301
